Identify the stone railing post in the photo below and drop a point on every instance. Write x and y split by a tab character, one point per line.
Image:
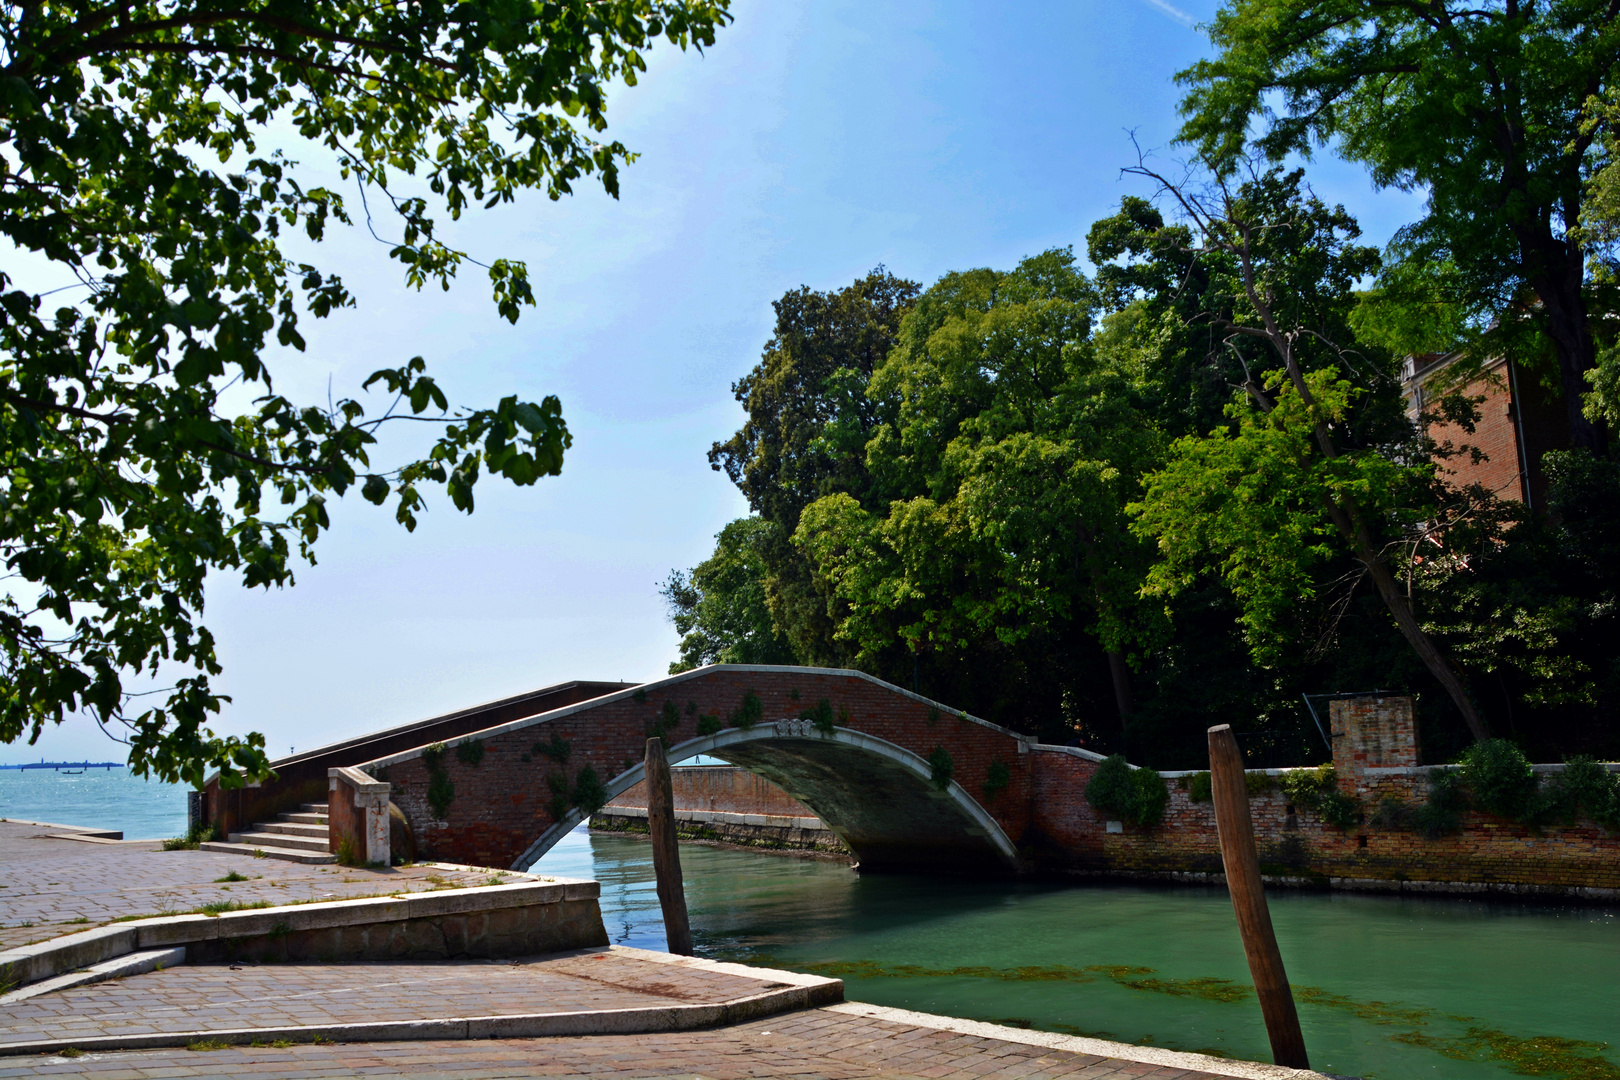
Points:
357	816
1371	732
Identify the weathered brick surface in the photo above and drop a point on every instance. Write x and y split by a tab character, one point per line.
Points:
501	804
723	788
344	820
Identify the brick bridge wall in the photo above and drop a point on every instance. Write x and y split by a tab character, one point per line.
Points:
501	803
504	802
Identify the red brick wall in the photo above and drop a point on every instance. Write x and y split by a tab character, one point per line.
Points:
724	788
500	808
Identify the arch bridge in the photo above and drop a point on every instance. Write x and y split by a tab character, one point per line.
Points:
907	783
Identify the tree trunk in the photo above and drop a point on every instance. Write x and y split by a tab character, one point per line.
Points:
1122	685
1556	276
1349	525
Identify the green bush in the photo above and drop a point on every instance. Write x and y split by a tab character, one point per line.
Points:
1111	791
470	752
820	717
942	767
1317	790
1586	789
708	725
1443	811
1152	796
1200	787
558	749
589	794
440	793
1500	779
750	712
996	779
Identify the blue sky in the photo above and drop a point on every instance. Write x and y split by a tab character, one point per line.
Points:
814	141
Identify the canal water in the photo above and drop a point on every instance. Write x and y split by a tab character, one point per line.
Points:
1389	988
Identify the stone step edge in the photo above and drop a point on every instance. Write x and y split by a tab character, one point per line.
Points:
722	817
136	963
28	964
802	992
301	855
1078	1044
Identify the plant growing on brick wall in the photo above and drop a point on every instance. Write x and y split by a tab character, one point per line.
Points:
709	725
820	716
1122	793
1200	786
997	778
589	794
1586	789
559	803
441	789
347	854
470	752
669	718
1500	780
1317	790
750	712
942	767
558	749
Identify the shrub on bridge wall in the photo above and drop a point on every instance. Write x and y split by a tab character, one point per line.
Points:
820	716
942	767
441	789
996	780
470	752
709	725
1138	796
751	711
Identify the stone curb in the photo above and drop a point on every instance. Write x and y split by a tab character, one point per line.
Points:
138	963
81	830
1075	1044
31	963
802	992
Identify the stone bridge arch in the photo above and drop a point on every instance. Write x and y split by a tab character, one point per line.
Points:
881	799
861	753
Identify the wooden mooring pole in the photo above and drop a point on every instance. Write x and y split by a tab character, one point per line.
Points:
666	849
1242	859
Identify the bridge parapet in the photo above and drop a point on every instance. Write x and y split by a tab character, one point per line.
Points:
907	782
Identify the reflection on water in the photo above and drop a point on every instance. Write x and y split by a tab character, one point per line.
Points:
1390	988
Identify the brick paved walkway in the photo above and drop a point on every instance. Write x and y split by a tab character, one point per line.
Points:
50	885
223	998
814	1043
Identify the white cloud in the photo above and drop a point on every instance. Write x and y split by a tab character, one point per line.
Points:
1174	12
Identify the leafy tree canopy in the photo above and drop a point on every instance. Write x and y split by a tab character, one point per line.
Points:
719	605
130	164
1479	104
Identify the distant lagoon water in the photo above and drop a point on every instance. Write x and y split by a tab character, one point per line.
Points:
98	798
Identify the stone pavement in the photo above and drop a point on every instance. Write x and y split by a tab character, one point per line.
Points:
51	885
820	1043
219	998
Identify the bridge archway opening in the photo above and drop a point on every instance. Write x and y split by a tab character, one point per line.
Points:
879	798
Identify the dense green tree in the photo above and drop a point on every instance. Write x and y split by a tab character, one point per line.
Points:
719	605
998	539
1318	457
809	417
130	166
1480	105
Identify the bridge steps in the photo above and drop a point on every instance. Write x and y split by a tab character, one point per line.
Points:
297	837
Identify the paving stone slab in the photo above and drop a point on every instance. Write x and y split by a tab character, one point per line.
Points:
599	990
51	886
819	1043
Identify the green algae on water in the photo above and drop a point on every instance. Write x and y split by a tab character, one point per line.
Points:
1539	1055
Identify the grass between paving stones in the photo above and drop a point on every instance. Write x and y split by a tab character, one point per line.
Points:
1534	1055
70	1052
208	1044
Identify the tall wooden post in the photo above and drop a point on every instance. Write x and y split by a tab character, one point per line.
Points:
1238	852
666	849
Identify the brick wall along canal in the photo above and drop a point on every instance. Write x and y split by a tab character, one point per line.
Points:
1389	987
